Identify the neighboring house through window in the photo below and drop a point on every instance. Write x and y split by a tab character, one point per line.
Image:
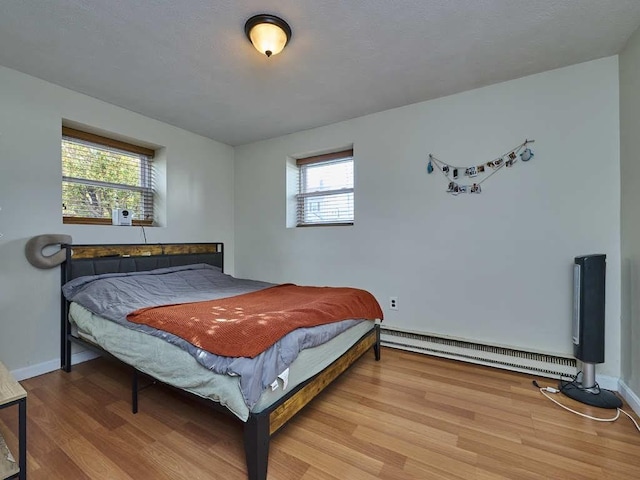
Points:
325	193
100	174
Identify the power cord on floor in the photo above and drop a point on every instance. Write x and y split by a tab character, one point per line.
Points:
547	390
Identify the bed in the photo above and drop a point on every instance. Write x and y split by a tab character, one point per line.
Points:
160	356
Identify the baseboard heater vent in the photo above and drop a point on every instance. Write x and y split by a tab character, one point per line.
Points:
547	365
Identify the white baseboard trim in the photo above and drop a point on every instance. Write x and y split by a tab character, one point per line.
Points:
46	367
608	383
630	396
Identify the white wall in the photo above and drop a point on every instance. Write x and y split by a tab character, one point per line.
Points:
630	182
198	203
494	267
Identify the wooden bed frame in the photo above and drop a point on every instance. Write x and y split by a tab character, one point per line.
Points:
260	427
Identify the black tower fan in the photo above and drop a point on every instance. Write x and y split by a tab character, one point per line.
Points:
588	331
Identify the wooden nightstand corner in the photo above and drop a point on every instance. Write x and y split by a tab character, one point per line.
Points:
12	393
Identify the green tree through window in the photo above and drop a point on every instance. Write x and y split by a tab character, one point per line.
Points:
97	178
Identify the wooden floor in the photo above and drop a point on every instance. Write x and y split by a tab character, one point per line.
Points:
407	417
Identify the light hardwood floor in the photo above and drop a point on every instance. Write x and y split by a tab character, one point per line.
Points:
409	416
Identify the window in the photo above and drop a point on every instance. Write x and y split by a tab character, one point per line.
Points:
325	193
99	174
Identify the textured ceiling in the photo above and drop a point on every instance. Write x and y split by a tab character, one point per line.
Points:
188	62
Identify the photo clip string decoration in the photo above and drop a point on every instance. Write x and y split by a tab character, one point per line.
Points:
507	160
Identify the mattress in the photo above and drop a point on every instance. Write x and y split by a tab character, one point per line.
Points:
172	365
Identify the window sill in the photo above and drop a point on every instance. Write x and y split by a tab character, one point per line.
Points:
102	221
337	224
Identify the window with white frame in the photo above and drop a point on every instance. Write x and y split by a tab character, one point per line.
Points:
100	174
325	192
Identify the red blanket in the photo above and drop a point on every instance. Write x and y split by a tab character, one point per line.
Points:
246	325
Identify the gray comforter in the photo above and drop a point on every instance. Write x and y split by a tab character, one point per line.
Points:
113	296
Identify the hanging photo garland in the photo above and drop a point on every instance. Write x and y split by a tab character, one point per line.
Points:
483	172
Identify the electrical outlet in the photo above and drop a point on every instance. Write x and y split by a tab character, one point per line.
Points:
393	303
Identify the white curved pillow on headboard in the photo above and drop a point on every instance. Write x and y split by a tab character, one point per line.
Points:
33	250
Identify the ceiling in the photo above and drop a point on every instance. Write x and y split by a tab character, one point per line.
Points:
189	64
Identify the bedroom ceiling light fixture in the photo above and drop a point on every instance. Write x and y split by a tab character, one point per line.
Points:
268	33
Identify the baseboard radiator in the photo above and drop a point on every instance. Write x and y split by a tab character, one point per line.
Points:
547	365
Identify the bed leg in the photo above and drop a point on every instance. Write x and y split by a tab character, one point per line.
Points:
376	346
134	392
65	359
256	445
65	331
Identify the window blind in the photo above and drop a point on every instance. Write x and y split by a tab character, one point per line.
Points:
325	194
99	174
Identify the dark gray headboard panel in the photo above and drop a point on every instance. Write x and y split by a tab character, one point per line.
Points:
97	266
98	259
